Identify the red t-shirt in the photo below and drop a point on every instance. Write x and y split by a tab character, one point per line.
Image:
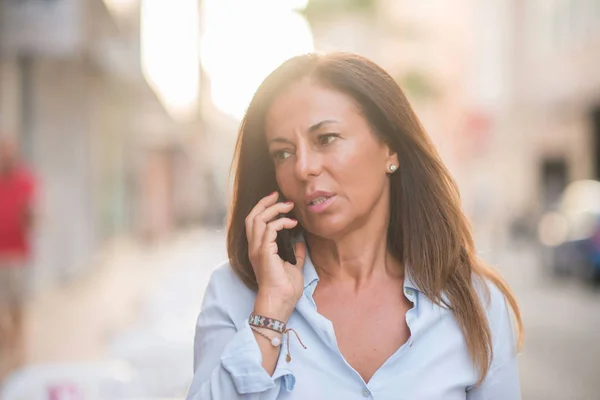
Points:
17	191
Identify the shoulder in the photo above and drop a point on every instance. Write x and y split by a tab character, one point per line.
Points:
493	300
227	291
224	277
224	282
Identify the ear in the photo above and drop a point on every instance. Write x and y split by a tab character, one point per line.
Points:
391	159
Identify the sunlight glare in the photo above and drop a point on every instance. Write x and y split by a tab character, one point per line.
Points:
239	49
170	57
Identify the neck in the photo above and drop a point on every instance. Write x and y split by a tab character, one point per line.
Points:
358	257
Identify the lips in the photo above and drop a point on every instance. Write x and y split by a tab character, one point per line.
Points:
317	197
319	201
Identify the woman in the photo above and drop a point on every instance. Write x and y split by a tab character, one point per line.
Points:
386	299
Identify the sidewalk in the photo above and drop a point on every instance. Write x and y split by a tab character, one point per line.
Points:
78	322
159	346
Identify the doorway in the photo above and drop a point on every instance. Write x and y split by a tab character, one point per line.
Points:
555	176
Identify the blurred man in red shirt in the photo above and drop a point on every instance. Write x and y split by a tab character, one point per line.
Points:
17	190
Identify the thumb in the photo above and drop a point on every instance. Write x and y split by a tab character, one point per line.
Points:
300	253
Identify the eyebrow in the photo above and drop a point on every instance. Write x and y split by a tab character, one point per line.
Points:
311	129
319	125
279	140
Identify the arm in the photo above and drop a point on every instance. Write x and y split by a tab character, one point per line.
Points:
231	362
501	383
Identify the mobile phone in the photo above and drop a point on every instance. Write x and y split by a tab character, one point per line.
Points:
285	249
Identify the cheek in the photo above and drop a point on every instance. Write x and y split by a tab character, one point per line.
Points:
360	177
357	168
285	181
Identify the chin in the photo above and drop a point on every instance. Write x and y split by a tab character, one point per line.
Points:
326	228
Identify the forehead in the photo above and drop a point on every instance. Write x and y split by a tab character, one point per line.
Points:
307	103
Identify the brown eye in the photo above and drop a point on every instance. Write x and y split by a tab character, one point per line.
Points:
281	155
327	139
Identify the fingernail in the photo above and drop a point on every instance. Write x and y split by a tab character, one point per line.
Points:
288	202
273	193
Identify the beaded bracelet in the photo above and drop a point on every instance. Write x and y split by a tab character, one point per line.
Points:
266	322
276	342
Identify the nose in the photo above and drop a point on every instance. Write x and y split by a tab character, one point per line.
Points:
308	162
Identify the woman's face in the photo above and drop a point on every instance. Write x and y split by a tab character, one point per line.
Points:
327	159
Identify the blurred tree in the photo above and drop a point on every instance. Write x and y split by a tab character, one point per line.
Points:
417	85
320	10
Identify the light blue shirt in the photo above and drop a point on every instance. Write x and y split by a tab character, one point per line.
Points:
433	364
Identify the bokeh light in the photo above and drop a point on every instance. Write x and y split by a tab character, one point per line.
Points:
169	50
240	48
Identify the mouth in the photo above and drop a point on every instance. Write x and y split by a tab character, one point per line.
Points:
319	200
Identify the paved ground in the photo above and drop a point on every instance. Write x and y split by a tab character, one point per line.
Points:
160	344
142	309
76	322
561	356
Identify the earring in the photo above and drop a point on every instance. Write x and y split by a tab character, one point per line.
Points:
393	168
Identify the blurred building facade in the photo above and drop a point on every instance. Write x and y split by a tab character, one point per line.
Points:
559	93
57	100
109	159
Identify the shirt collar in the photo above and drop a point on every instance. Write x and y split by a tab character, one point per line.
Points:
308	269
309	272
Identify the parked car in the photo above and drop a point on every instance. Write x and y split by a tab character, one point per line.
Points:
570	233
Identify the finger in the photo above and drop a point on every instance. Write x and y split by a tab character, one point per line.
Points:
270	214
258	208
300	253
275	226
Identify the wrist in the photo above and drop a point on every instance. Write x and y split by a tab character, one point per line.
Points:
273	307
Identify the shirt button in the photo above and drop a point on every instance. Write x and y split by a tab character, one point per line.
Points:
366	393
409	292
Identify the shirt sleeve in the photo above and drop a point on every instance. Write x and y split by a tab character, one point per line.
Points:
502	379
227	358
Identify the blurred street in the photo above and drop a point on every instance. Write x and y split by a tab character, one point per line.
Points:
149	322
561	356
137	306
118	122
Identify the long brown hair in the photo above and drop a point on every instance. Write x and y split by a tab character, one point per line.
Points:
428	232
